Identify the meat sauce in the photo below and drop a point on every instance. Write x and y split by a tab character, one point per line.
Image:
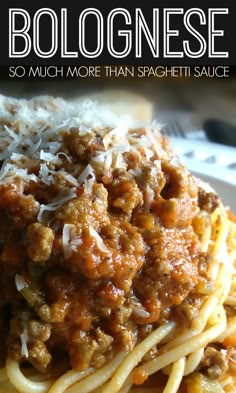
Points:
97	273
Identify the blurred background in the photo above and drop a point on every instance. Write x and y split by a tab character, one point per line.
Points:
184	104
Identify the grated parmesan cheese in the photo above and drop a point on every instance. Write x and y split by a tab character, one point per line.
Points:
71	179
140	312
98	239
66	240
11	171
83	178
61	153
17	157
33	139
45	174
56	203
86	172
20	282
69	240
88	185
24	349
149	196
150	134
49	157
24	334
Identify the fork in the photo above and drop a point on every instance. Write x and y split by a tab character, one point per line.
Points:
173	128
180	125
175	123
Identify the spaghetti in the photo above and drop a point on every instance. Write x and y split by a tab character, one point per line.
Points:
117	266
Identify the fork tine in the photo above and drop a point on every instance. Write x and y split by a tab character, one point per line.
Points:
173	128
179	130
166	130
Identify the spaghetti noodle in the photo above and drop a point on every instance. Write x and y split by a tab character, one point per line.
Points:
117	266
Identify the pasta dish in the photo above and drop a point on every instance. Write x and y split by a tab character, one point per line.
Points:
117	265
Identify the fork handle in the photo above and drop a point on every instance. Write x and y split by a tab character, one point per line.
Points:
220	131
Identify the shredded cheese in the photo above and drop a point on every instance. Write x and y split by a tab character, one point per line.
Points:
56	203
88	185
85	173
24	349
98	239
20	282
49	157
10	171
140	312
66	240
32	145
149	196
45	174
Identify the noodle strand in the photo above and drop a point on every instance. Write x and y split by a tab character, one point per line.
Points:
136	356
184	349
175	377
193	361
67	379
21	383
98	378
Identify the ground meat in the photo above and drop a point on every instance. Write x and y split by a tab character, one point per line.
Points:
176	204
86	347
82	146
39	242
208	201
123	192
38	331
120	263
53	313
215	362
86	210
23	209
39	356
117	249
170	272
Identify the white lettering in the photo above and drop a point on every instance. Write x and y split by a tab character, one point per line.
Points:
121	33
195	33
23	32
99	33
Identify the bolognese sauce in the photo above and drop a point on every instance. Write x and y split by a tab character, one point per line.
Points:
100	235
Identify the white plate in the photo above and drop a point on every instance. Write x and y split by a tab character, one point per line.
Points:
213	163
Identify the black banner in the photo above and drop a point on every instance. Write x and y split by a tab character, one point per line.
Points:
161	32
